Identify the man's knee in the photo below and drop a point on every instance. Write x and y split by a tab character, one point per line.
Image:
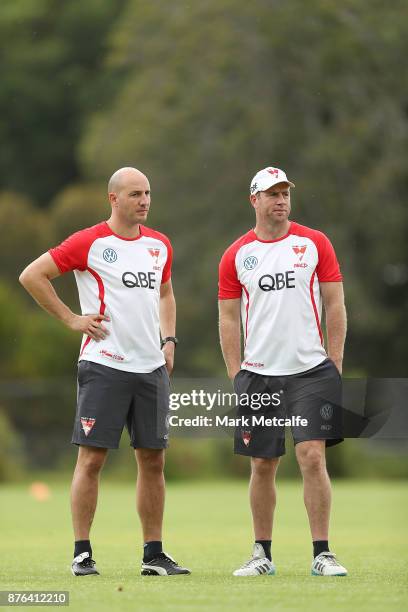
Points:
264	468
311	456
91	459
150	460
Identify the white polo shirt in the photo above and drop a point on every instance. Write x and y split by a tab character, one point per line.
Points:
281	305
119	277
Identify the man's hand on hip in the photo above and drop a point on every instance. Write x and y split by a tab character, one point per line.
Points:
90	325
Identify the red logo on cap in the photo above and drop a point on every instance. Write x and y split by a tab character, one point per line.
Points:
274	171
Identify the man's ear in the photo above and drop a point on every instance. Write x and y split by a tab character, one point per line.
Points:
253	200
112	199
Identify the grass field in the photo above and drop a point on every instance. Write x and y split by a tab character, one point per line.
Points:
208	529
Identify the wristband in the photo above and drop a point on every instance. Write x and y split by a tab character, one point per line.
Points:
169	339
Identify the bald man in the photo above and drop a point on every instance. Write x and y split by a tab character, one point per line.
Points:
128	323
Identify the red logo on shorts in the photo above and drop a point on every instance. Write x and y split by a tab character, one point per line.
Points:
154	253
87	424
246	437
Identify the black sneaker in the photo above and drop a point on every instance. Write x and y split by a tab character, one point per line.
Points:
83	565
163	565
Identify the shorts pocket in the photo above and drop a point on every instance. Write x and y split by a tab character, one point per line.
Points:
335	368
235	380
82	370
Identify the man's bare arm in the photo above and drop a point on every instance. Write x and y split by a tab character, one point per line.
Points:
336	321
36	279
230	334
168	321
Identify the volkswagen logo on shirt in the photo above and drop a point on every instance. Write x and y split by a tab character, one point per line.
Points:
250	262
110	255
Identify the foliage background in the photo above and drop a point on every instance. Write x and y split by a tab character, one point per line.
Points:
199	96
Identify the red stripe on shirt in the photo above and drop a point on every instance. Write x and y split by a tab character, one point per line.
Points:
315	307
247	309
101	296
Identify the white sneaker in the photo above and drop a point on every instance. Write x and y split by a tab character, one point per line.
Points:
257	565
326	564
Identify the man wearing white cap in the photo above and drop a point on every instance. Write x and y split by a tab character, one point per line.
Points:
275	279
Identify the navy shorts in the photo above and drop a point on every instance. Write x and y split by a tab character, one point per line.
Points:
311	400
109	399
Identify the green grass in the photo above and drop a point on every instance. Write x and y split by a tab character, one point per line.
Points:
208	528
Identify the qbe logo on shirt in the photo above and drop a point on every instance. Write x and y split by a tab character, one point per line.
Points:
277	281
110	255
250	262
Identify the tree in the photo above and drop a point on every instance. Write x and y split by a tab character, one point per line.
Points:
51	60
215	91
26	234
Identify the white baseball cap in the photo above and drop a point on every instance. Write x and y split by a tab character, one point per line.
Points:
267	178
